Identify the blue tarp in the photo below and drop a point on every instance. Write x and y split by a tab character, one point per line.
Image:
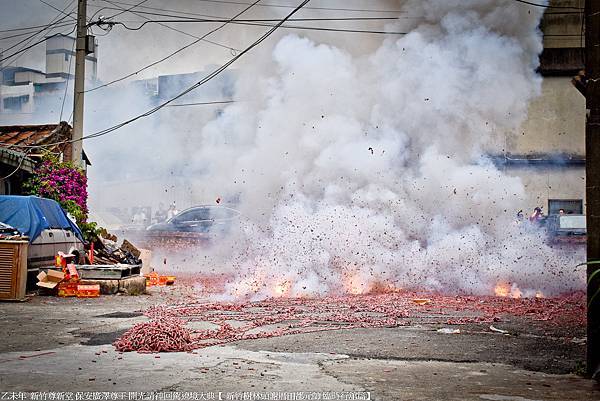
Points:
31	215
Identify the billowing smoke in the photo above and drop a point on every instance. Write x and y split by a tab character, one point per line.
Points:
362	173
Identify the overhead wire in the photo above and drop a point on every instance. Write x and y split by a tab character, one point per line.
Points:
37	43
22	159
66	83
202	103
60	25
258	22
51	25
127	10
203	81
272	5
182	32
173	53
531	3
59	10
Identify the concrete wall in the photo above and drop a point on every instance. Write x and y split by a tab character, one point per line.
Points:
543	183
15	92
29	77
556	122
563	27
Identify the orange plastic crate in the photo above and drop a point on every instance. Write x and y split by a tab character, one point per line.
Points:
88	290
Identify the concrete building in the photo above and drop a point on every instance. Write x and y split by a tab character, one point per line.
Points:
548	152
25	92
60	58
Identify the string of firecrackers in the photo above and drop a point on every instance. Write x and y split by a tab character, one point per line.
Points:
167	331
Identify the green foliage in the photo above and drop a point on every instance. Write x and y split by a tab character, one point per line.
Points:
591	278
580	368
90	231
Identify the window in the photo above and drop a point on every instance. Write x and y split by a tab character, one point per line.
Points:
15	103
570	206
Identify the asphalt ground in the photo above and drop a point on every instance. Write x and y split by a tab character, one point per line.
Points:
64	345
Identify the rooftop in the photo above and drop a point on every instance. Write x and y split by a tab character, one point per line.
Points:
53	136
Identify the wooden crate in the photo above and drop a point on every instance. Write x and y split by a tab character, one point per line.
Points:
13	270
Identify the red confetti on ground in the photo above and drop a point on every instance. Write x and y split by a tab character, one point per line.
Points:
167	331
162	334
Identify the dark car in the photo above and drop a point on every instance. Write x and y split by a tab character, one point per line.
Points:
211	219
566	228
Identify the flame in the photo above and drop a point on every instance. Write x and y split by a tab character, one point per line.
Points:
355	285
282	289
506	290
502	290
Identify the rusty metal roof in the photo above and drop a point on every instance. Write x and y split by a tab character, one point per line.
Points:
18	137
51	137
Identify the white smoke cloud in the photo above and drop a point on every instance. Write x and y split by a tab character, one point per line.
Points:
357	172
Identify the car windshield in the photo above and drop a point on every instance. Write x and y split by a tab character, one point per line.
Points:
572	222
206	213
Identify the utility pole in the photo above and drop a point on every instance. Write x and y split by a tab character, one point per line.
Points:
80	54
592	152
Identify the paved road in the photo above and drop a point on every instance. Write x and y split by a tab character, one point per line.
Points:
52	344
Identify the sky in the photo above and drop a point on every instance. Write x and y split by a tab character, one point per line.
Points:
122	51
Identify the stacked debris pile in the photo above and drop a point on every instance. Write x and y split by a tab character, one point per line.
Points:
107	251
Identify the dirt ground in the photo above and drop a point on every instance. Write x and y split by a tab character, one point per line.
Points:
54	344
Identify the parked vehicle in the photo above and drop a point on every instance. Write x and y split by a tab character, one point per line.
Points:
212	219
566	228
45	223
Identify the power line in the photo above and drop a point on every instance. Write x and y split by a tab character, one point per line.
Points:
62	106
203	81
127	10
34	34
18	166
326	29
202	103
179	13
37	43
100	9
29	39
24	29
206	79
257	22
530	3
182	32
173	53
306	8
60	25
59	10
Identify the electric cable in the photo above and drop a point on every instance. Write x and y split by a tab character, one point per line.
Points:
173	53
203	81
